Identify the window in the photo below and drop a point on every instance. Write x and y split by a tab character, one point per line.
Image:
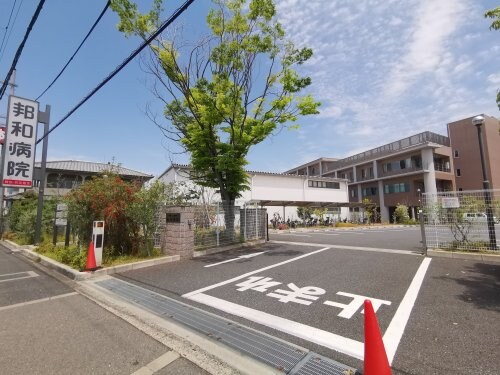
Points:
459	172
369	191
402	187
455	154
460	189
324	184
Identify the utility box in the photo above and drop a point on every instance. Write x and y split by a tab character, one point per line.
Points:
98	240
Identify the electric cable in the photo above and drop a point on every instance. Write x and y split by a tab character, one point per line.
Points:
11	28
20	48
158	31
8	23
81	44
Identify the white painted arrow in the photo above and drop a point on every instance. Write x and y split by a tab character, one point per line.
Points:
240	257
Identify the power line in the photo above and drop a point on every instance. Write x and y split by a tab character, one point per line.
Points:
81	44
11	28
20	48
162	27
8	23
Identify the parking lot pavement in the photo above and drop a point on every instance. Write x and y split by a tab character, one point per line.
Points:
405	238
310	295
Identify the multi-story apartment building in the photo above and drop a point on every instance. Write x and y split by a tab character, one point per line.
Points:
399	172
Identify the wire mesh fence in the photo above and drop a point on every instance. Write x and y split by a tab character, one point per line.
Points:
462	220
221	224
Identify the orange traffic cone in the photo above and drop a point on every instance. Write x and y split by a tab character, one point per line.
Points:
376	362
91	265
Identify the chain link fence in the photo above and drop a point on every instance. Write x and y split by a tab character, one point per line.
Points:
222	224
462	220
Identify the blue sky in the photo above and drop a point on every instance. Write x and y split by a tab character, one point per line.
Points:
383	70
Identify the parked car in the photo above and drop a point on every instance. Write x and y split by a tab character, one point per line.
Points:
478	217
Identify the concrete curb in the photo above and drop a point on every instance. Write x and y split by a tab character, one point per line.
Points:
201	253
461	255
73	274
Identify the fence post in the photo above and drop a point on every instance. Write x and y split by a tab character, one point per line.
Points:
422	232
267	227
245	221
217	223
256	223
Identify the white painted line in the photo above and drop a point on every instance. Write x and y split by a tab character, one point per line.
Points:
187	295
345	247
327	339
29	274
247	256
397	326
37	301
158	363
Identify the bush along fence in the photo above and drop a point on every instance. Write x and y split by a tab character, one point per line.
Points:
462	220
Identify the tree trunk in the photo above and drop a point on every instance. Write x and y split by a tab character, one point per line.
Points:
228	208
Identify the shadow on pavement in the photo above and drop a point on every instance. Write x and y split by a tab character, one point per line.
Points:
482	283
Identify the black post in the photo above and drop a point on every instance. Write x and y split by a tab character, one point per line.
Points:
54	229
478	121
422	232
267	226
68	230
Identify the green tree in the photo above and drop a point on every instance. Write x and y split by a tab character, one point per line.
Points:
229	92
145	207
304	213
401	215
370	210
495	25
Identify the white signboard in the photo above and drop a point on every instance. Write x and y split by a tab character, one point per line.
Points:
450	202
22	121
61	222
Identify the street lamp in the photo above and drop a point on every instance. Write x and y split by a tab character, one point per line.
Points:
478	121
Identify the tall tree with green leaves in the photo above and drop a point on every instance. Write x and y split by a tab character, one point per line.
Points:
226	92
495	25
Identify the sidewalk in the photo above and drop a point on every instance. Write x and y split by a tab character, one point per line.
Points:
76	329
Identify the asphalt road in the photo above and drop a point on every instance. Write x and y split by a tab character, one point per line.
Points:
48	328
449	327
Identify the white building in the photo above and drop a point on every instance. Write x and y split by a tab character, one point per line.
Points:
277	192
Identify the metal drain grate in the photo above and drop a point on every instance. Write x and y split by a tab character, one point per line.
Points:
262	347
315	364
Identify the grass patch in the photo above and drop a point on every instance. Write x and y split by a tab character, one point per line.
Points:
77	259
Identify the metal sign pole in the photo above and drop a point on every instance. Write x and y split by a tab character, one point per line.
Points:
44	118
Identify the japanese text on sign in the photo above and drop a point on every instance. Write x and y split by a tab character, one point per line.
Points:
22	120
307	295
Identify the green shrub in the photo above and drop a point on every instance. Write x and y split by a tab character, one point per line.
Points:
345	225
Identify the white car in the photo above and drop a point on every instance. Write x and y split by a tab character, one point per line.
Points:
478	217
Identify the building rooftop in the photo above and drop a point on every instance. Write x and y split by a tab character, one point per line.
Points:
92	167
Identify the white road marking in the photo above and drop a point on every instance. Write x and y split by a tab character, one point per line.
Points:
345	247
397	326
37	301
158	363
330	340
28	274
327	339
187	295
247	256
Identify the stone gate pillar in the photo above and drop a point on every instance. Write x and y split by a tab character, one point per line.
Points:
178	238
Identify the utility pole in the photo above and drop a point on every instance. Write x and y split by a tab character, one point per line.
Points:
12	85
